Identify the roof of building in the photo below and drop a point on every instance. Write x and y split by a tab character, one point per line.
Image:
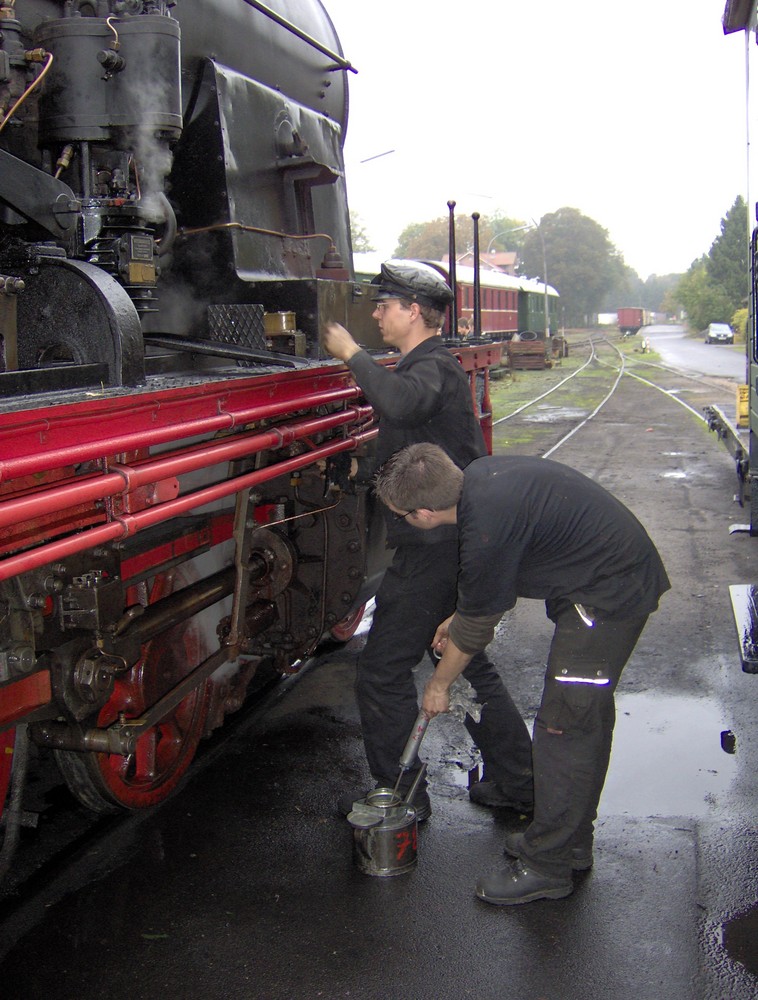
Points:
502	258
369	264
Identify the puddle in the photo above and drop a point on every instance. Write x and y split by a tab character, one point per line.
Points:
549	414
667	757
674	475
740	936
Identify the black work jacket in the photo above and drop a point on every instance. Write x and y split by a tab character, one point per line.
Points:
426	397
531	527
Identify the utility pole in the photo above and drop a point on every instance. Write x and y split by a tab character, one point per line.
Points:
544	278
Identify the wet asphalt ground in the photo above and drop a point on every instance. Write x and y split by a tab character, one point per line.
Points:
244	885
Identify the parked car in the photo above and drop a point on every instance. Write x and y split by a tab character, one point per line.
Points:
719	333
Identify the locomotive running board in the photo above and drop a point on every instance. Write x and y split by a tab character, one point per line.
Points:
745	606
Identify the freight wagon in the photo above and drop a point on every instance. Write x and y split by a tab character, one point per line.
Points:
631	319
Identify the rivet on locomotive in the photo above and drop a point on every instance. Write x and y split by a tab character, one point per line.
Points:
179	501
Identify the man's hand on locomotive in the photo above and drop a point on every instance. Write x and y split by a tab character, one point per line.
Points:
339	342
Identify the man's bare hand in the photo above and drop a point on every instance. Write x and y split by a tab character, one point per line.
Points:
436	697
439	642
452	663
339	342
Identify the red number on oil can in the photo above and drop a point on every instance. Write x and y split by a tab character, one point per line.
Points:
405	840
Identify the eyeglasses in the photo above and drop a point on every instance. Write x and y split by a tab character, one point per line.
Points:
401	517
381	306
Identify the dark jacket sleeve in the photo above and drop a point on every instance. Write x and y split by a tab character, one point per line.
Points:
406	396
425	397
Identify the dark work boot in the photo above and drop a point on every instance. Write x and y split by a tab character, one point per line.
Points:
521	885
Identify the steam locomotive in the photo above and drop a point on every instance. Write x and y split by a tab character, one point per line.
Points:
179	501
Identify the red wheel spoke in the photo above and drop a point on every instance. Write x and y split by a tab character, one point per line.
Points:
146	756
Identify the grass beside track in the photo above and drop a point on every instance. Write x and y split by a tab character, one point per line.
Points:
510	390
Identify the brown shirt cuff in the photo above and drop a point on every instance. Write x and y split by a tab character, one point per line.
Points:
471	635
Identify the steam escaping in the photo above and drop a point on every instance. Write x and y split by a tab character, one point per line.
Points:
153	162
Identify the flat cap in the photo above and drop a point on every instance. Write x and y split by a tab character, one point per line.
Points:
409	279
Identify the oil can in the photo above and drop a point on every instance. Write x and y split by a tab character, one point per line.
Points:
385	833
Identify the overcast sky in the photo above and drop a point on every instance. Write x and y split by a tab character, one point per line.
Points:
633	113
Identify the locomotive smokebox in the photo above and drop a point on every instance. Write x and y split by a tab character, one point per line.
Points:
111	80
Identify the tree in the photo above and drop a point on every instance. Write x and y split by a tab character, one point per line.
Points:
727	261
582	263
430	240
426	240
627	290
716	285
358	235
501	232
631	290
657	289
701	298
739	323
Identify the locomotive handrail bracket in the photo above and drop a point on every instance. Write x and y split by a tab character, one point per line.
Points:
159	473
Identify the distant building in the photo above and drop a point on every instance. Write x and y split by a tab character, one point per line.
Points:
504	261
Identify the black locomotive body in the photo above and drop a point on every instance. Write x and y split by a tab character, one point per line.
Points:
179	500
740	436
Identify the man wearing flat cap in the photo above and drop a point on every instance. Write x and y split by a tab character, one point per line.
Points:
424	398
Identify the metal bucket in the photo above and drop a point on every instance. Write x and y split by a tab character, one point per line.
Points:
384	833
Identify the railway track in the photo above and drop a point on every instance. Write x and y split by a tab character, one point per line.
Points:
536	412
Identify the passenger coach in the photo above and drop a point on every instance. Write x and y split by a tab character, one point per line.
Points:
509	304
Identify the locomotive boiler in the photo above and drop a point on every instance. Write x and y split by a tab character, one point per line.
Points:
181	494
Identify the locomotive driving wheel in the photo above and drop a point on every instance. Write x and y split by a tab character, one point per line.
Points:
109	782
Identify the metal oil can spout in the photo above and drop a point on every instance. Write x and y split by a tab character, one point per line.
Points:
409	798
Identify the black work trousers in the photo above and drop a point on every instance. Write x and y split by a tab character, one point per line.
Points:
573	733
419	592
